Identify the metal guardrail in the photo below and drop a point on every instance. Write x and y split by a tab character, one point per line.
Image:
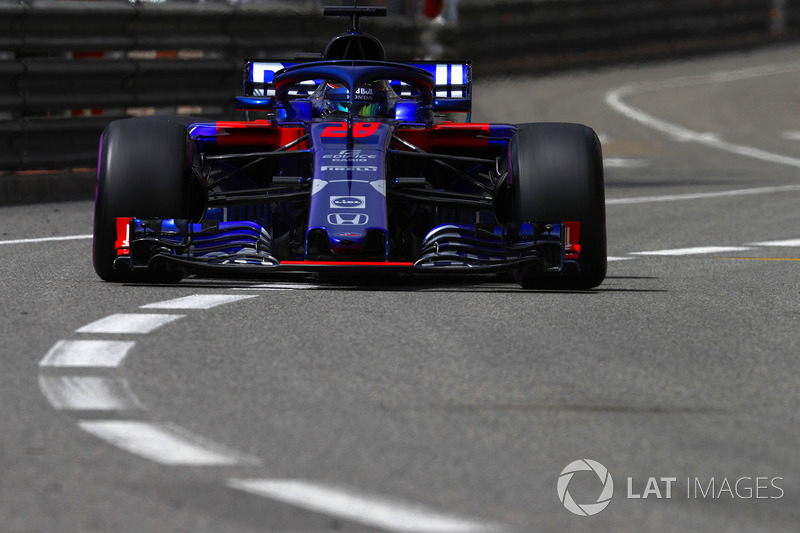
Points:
109	59
525	35
52	25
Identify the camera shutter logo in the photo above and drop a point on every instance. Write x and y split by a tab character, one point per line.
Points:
585	509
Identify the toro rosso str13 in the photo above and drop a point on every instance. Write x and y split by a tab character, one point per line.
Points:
353	167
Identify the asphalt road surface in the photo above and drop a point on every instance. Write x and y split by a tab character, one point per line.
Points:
444	406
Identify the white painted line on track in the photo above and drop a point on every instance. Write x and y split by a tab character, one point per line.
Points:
198	301
614	99
89	353
47	239
611	259
791	243
88	393
129	323
376	511
793	135
618	162
695	251
163	443
280	287
701	195
261	289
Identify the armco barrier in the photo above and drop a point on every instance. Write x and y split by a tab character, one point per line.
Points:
529	35
69	67
108	59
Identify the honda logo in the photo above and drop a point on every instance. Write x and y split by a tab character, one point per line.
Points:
347	219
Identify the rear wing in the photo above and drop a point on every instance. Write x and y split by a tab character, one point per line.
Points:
452	92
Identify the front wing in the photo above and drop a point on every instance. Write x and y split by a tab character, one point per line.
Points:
246	249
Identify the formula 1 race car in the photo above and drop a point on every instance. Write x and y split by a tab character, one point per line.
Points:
353	166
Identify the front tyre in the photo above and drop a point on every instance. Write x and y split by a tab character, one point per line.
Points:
144	170
557	176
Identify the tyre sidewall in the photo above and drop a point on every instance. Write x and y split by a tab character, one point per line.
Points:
144	170
557	176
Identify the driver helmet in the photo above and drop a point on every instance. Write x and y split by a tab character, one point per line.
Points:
372	99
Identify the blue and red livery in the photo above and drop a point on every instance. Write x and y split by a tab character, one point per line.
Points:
351	162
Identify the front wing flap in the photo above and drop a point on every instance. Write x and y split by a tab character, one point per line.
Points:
245	248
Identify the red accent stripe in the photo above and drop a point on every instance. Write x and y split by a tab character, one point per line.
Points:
260	132
240	124
122	244
456	135
474	126
347	263
572	246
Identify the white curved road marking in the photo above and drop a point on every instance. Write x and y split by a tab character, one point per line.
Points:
198	301
701	195
279	287
172	445
92	393
695	251
790	243
47	239
619	162
139	323
90	353
164	443
388	514
614	99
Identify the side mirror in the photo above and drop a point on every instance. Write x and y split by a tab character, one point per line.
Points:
300	109
452	105
255	103
406	111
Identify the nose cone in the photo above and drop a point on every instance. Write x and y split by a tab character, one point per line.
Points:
344	245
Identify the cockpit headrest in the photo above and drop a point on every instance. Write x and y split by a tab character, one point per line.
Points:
355	46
